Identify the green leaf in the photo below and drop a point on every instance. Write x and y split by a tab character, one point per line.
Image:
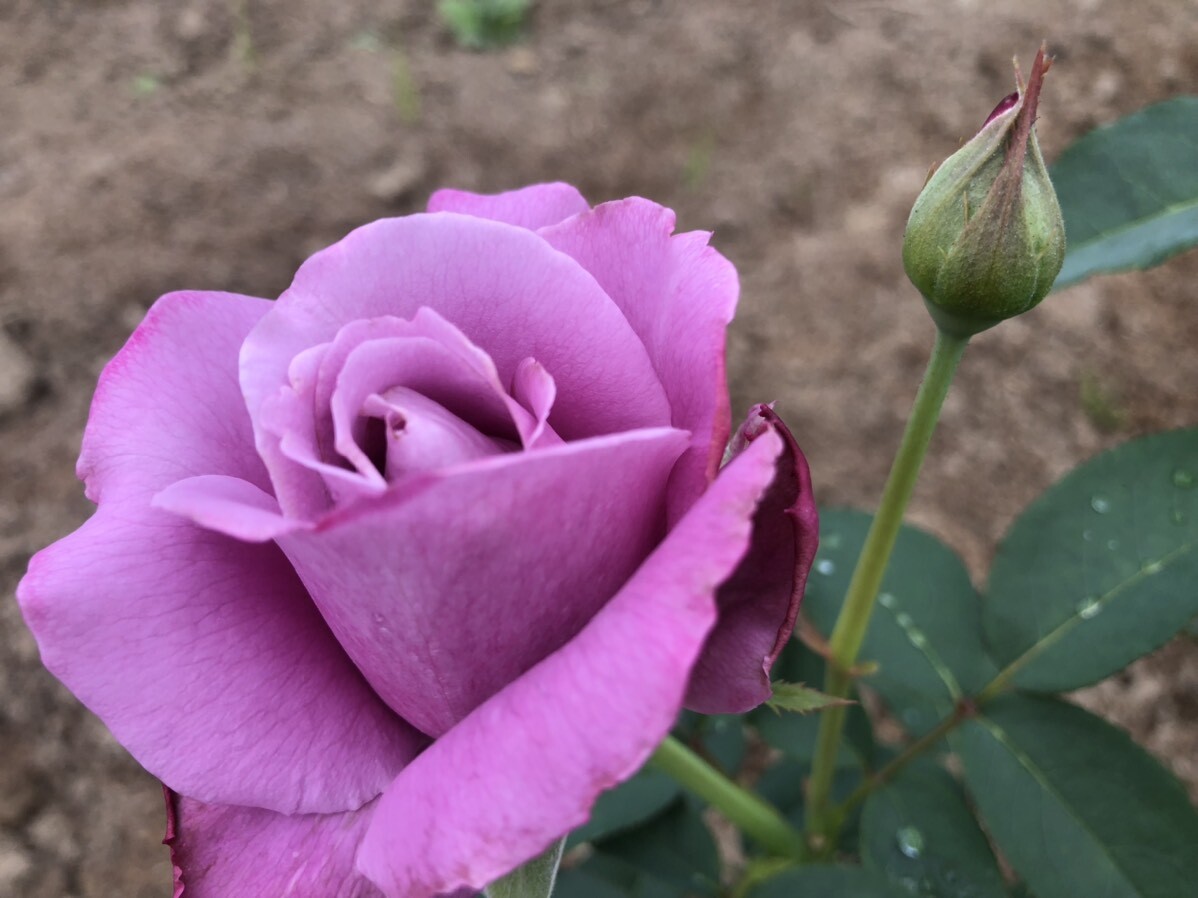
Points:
1129	191
583	883
674	849
925	633
719	738
782	785
795	734
607	877
629	804
533	879
724	740
828	882
801	699
919	830
1075	805
1101	569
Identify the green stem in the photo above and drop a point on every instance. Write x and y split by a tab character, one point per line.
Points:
853	620
896	766
752	815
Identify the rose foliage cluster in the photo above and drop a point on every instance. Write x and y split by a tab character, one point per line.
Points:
391	577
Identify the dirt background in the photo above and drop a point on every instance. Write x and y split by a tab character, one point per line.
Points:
151	146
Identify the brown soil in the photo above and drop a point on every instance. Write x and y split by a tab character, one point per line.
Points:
146	147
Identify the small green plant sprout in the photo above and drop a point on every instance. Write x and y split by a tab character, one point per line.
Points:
485	24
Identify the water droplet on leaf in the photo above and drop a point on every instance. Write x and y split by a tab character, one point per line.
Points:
825	566
1112	544
1088	607
904	619
1183	479
1088	535
1153	567
886	600
910	842
1100	504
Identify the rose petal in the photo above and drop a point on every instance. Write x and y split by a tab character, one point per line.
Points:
525	767
438	604
679	295
422	435
466	269
222	851
207	660
307	484
439	361
168	406
759	603
227	505
529	207
534	388
422	365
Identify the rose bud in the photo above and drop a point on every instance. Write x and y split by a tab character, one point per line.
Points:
985	239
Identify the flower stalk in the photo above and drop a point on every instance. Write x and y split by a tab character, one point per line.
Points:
853	621
752	815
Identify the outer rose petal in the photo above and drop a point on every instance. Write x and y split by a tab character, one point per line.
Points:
443	593
759	603
679	295
207	660
526	766
168	406
504	287
221	851
530	207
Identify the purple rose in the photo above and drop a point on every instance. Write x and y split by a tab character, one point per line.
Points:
391	577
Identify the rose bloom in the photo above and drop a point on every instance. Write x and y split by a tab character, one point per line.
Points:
391	577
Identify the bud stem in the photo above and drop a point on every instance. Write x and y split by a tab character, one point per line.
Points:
853	621
750	814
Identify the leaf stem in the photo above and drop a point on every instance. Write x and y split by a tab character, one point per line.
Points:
853	621
751	814
897	764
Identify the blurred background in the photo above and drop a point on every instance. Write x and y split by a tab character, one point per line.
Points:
214	144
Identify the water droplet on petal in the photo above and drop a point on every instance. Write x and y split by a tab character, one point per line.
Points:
886	600
1183	479
825	566
910	842
1100	503
1089	607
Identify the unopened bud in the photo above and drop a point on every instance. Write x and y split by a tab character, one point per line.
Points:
985	239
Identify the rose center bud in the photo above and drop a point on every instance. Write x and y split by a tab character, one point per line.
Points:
403	432
390	397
